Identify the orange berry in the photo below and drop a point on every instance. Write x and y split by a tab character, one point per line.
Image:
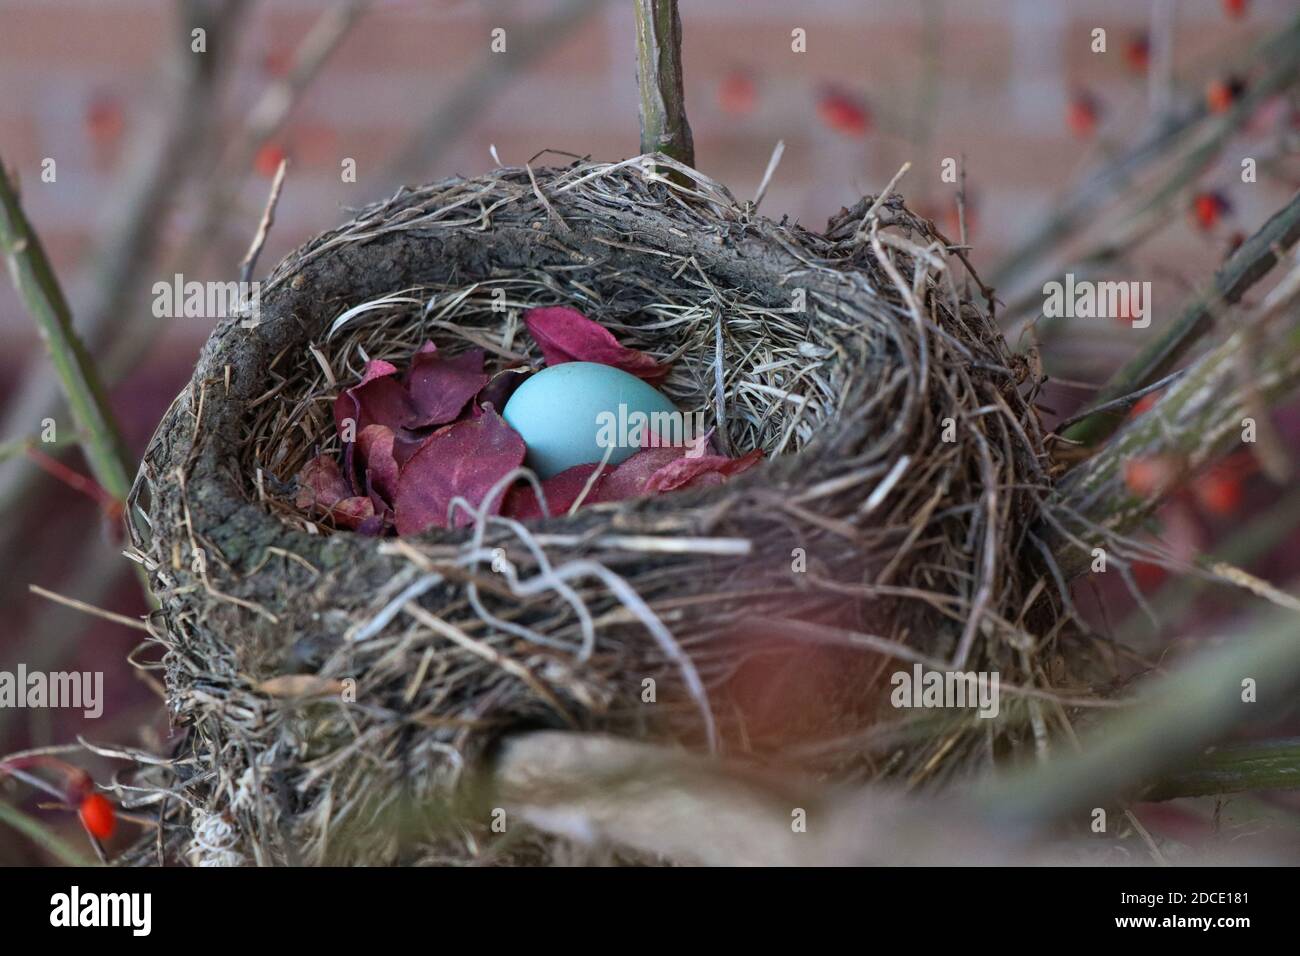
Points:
97	815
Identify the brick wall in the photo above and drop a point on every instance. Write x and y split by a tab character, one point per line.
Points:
86	82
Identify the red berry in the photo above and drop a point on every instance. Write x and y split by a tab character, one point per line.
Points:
1235	8
268	160
1148	476
1222	92
1207	208
104	120
1083	113
1137	52
844	113
97	815
1218	493
738	93
1144	404
1148	576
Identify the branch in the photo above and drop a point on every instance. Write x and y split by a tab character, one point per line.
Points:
1251	262
664	128
44	301
1197	420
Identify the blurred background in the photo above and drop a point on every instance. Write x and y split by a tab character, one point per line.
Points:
1074	159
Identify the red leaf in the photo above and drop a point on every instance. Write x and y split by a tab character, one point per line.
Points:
629	479
375	448
561	492
321	484
566	335
656	470
358	514
441	386
463	460
323	490
378	399
700	471
503	384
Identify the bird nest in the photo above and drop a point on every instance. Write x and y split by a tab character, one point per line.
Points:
339	695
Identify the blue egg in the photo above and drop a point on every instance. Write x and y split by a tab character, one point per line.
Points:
569	414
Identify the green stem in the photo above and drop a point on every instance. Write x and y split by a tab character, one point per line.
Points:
39	289
1268	765
664	128
34	830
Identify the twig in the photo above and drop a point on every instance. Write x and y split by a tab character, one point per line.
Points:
268	219
43	298
90	609
664	127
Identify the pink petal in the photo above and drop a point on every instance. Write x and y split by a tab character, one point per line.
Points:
566	335
561	492
462	460
441	386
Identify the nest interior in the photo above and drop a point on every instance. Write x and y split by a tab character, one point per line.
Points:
334	689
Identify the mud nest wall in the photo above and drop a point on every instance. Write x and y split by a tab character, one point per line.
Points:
337	694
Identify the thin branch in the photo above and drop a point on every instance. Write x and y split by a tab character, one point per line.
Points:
43	298
264	226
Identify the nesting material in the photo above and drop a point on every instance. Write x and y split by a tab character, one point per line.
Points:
338	694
